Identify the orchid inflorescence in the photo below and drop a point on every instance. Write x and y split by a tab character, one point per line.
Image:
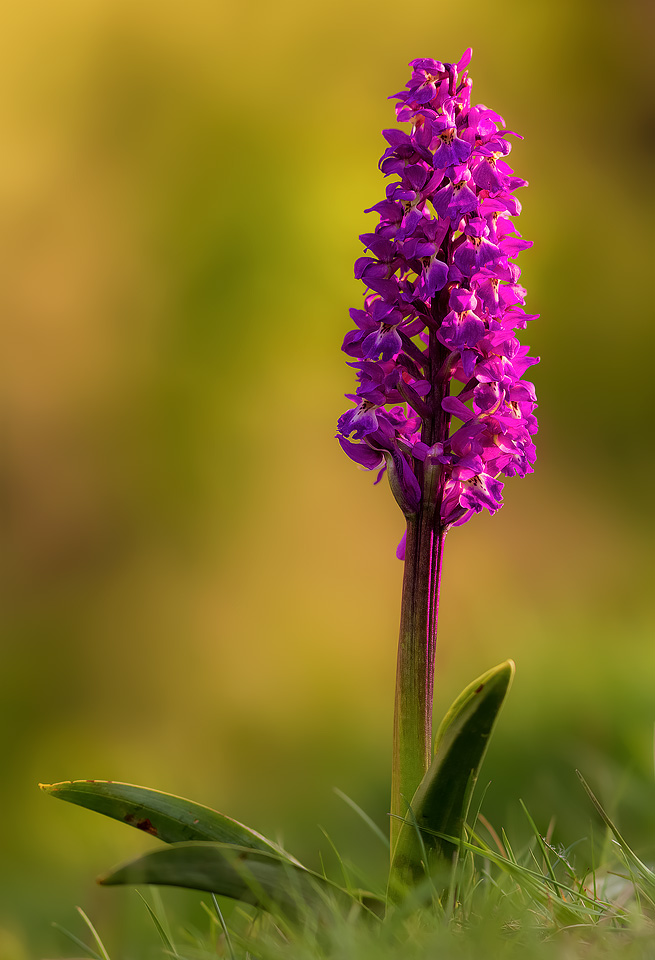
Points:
442	307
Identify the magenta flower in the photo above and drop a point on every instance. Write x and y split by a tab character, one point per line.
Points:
439	364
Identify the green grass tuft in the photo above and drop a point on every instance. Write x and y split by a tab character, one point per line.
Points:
536	901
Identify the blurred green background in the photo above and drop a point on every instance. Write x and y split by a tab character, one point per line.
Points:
199	591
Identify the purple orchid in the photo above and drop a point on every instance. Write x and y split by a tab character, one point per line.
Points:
441	396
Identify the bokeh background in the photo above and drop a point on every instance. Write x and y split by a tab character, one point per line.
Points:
199	591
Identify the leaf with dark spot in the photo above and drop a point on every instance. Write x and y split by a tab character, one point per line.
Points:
163	815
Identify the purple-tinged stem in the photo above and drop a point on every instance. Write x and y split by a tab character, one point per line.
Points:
412	738
419	612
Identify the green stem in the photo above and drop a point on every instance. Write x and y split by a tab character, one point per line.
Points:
412	734
412	739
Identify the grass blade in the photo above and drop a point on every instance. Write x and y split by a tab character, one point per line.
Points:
168	943
94	933
542	847
76	940
645	873
364	816
226	932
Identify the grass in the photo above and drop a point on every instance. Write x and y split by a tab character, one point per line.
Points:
592	899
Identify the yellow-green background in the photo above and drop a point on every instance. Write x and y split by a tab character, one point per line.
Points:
199	591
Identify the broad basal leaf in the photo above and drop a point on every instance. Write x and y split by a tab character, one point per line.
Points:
441	802
265	879
163	815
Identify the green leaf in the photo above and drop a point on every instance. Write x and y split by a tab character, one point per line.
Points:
441	802
170	818
266	880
